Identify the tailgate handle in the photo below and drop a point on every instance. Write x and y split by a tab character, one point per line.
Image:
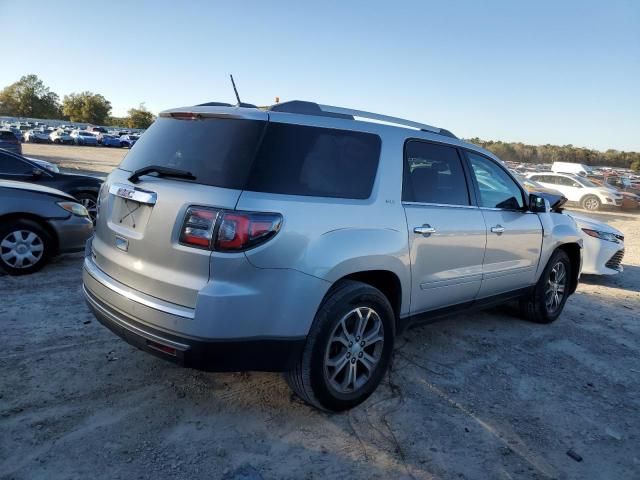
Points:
132	193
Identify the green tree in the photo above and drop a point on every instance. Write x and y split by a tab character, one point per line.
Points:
140	117
521	153
635	165
29	97
86	107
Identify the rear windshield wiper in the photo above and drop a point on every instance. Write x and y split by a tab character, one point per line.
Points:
162	172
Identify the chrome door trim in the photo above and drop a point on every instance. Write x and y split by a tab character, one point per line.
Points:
423	204
129	192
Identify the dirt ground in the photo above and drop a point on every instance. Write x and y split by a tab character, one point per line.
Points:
478	396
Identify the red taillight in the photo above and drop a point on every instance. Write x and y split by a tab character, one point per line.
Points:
243	230
197	229
233	231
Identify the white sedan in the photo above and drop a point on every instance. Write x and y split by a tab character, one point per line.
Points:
603	246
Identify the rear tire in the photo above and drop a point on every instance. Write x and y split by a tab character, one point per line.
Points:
591	203
348	349
25	247
546	302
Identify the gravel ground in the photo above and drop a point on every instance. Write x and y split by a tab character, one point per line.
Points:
483	395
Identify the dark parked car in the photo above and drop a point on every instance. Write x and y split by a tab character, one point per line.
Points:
83	188
37	223
9	141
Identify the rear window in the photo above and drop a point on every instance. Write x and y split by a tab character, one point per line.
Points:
5	135
242	154
218	152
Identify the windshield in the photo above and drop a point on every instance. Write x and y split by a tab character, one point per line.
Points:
585	182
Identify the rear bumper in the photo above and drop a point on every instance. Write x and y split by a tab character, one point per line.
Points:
128	313
267	355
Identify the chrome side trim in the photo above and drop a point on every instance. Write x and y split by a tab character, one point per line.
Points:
131	294
129	192
424	204
132	328
492	209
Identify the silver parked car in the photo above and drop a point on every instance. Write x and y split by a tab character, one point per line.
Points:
305	237
36	223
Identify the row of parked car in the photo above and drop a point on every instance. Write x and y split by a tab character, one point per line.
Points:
64	135
591	191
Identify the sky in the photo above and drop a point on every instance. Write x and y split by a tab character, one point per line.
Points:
558	72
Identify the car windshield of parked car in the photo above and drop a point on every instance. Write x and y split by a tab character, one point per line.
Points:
585	182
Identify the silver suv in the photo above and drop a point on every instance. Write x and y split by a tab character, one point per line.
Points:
304	238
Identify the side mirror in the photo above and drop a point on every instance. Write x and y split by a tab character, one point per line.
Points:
36	172
538	204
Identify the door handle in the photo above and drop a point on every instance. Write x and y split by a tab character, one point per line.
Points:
425	230
497	229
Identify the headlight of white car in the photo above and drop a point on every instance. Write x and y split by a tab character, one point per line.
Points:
608	236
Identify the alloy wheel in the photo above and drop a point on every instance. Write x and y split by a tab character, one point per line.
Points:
556	286
354	350
591	204
91	206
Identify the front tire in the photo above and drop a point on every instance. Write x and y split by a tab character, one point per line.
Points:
546	302
591	203
25	247
348	349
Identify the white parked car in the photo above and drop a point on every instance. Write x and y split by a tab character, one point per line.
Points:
36	136
578	189
61	137
603	246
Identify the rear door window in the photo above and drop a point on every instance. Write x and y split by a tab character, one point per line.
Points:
312	161
433	174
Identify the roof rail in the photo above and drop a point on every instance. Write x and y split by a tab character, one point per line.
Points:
311	108
378	117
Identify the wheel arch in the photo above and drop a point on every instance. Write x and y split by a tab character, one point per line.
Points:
386	281
573	250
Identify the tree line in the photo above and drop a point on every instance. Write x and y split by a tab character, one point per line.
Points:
522	153
30	97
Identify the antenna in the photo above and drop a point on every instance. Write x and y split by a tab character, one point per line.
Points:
235	90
